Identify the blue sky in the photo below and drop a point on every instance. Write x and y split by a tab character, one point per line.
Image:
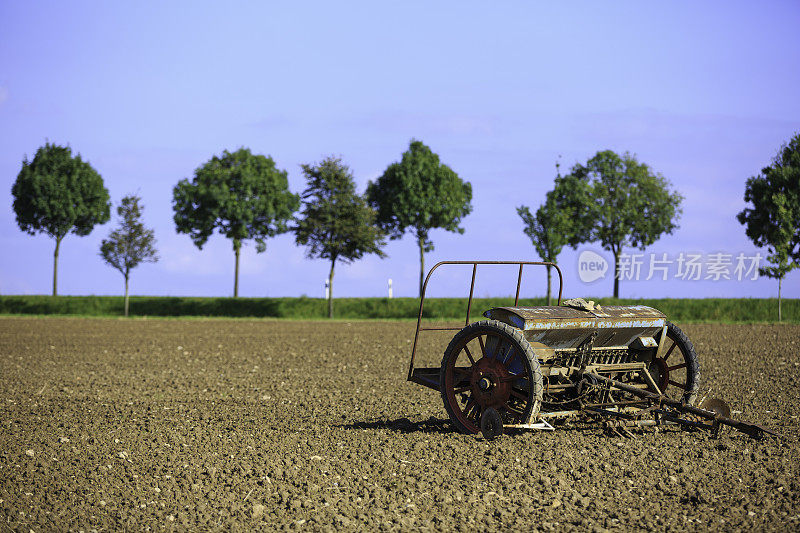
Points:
704	92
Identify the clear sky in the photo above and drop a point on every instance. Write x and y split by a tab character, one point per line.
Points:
704	92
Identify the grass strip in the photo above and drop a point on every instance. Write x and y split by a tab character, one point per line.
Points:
723	310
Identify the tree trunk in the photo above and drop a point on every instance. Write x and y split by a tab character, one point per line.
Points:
779	299
330	290
548	285
237	246
55	266
616	274
421	243
126	295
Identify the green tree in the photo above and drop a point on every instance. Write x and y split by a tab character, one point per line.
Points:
131	243
57	193
242	195
774	218
549	229
419	194
619	202
336	224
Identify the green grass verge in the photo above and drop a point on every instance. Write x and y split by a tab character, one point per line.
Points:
745	310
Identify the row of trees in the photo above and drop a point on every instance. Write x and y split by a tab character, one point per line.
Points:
611	199
244	196
619	202
614	200
56	194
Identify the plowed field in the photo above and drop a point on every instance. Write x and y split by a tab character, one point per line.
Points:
165	424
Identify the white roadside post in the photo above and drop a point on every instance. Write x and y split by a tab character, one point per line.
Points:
327	290
390	288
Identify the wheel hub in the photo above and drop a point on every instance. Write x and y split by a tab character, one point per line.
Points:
490	383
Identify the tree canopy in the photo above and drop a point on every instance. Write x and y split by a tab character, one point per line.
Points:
418	194
56	193
336	223
241	195
619	202
131	243
772	218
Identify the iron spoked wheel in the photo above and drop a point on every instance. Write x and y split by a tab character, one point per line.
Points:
490	364
677	372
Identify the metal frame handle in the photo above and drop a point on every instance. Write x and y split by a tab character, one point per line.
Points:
471	290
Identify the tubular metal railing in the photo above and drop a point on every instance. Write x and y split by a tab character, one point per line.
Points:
471	290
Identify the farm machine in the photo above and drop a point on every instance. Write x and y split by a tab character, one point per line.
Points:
532	367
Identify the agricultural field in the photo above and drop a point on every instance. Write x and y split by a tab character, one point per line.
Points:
112	424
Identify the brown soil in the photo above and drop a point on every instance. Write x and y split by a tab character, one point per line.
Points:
114	424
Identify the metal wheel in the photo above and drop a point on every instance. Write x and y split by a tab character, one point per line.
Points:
489	364
677	372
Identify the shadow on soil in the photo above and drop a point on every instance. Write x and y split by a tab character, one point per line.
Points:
404	425
444	426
